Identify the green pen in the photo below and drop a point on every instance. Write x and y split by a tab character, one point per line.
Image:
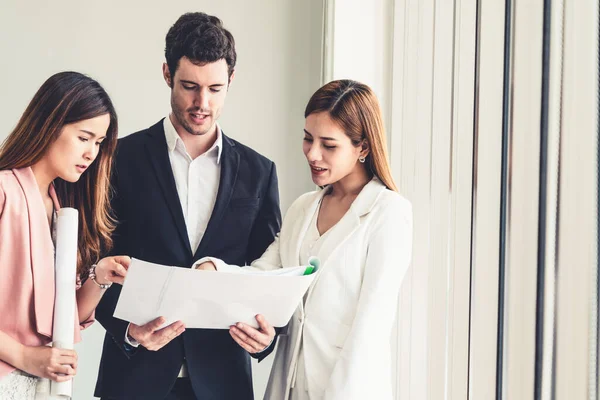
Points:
313	266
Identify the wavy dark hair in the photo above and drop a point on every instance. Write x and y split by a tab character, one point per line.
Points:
202	39
66	98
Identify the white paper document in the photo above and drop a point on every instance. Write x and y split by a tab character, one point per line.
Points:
209	299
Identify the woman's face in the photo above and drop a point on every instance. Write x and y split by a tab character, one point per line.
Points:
329	151
76	148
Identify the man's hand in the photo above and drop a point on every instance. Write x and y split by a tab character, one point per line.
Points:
253	340
153	338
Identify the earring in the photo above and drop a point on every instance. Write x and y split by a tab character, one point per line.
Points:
361	159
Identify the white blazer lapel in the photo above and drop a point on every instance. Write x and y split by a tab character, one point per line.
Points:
302	220
346	226
335	238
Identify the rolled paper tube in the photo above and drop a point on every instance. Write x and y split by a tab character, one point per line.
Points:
65	300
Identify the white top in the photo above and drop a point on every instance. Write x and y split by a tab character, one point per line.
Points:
197	181
311	245
344	326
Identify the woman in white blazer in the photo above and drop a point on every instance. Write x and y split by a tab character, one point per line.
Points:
337	344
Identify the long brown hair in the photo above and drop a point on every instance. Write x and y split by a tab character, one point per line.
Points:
355	108
65	98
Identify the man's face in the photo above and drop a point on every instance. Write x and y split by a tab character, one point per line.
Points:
197	95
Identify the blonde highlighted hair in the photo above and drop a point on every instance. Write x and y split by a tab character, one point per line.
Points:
355	108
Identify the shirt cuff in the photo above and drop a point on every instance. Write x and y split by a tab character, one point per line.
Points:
129	340
263	350
219	264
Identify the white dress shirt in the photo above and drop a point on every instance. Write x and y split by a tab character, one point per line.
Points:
197	182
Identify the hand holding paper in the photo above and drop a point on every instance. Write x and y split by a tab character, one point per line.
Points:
204	299
206	266
112	269
153	336
253	340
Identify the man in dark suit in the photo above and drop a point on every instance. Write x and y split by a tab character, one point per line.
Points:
184	190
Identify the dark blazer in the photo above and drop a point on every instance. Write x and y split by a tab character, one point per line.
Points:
151	227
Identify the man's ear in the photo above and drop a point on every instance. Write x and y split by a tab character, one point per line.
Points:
231	79
167	75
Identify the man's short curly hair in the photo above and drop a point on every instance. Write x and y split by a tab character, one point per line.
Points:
202	39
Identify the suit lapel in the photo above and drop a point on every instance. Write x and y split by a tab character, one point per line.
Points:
158	154
346	226
230	163
338	234
42	251
300	228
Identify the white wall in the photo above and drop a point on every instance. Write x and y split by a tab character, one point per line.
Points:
417	55
359	46
362	46
121	44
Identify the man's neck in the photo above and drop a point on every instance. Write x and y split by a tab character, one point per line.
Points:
196	145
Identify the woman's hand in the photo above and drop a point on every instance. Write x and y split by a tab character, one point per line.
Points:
206	266
112	269
60	365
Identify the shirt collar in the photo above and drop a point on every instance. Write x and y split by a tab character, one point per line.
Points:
173	138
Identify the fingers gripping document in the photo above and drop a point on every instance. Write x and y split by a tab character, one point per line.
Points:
212	300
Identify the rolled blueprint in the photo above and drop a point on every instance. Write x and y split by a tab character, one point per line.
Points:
65	283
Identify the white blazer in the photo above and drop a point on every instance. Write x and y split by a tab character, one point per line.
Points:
347	319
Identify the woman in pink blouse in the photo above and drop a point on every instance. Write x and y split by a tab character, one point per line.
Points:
59	154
